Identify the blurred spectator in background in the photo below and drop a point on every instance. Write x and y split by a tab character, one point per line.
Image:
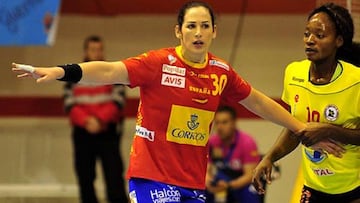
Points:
95	113
233	156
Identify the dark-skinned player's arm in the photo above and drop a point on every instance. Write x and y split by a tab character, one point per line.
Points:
285	144
345	134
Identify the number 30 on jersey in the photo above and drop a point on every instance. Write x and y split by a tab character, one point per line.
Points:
219	83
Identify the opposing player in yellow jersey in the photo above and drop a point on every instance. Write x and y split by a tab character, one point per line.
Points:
324	88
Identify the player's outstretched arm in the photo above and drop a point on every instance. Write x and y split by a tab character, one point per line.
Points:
95	72
268	109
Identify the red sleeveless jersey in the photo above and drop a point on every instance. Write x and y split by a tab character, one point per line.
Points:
178	100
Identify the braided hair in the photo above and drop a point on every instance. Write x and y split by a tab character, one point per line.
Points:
344	25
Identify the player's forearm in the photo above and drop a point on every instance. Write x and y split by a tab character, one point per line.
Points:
285	144
344	135
270	110
101	72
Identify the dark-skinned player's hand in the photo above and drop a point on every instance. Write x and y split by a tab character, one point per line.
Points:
330	147
318	137
316	132
263	169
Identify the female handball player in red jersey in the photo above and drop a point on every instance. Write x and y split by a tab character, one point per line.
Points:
180	90
324	88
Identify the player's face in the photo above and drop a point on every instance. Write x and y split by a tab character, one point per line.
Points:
320	38
196	33
95	51
225	125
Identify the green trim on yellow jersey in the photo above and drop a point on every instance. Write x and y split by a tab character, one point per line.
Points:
299	72
337	73
337	103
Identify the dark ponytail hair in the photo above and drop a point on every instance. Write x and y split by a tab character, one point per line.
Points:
344	25
193	4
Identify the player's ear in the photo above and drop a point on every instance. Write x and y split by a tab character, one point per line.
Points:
339	41
178	33
214	32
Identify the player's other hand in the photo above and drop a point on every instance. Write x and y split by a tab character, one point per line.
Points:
262	170
41	74
329	146
316	132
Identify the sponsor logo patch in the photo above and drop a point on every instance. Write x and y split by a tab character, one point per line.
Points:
193	122
315	156
296	98
171	59
199	75
189	125
219	64
199	196
331	113
200	101
173	80
200	90
164	195
144	133
298	79
173	70
323	172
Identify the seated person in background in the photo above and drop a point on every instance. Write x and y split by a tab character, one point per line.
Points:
232	158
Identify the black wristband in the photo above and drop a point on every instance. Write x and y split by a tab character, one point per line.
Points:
72	73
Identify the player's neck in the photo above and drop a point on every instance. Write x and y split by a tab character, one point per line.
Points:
194	58
321	72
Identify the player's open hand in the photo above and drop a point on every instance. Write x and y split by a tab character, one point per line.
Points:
262	170
40	74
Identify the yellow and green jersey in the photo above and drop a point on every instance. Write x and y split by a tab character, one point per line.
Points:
337	103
